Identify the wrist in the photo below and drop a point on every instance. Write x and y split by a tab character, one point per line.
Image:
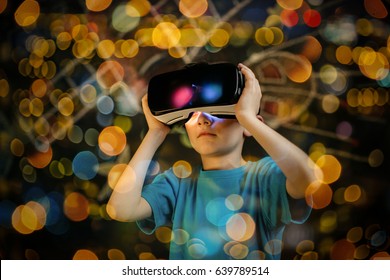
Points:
158	133
245	117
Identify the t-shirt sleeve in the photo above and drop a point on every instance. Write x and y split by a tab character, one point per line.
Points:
278	206
161	195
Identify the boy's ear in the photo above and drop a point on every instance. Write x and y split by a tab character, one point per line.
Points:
247	133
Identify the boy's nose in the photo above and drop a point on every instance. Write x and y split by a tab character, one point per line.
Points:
204	119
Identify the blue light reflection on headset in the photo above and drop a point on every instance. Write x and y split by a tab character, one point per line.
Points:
211	93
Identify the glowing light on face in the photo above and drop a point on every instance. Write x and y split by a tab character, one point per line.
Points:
181	97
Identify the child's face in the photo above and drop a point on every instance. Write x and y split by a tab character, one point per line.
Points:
213	136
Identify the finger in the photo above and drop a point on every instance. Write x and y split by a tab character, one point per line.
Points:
247	72
144	101
249	75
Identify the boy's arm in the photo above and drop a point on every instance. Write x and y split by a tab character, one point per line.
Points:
298	168
126	203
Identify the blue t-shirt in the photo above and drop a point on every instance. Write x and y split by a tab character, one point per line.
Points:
223	214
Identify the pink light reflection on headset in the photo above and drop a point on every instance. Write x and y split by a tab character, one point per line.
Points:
182	96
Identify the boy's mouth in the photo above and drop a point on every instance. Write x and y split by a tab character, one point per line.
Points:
205	133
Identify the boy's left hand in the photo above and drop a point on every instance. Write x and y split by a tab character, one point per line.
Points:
249	103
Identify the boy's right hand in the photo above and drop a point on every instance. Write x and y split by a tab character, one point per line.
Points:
153	123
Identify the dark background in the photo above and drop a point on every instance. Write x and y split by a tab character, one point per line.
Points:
341	230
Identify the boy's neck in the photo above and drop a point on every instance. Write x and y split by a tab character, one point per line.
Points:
218	163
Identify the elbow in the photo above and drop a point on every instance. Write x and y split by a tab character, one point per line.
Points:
298	187
115	213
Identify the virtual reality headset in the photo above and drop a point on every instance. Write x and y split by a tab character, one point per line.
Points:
212	88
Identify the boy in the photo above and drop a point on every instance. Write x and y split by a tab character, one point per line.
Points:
229	208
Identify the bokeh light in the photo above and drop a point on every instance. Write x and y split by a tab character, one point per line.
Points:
289	18
105	48
76	207
376	158
376	8
97	6
27	13
109	73
290	5
312	18
352	193
217	212
182	169
164	234
318	195
342	250
17	147
84	254
116	254
125	18
166	35
331	168
240	227
114	174
29	217
40	159
85	165
193	9
299	70
112	140
355	234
